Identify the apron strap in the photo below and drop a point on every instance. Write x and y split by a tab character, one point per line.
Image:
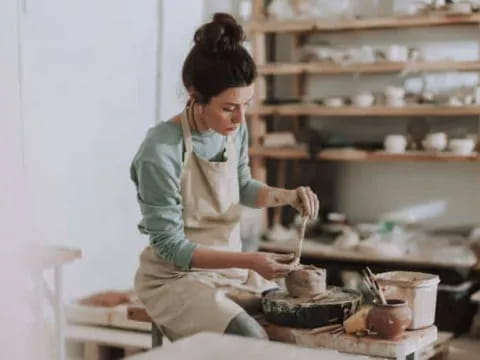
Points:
187	135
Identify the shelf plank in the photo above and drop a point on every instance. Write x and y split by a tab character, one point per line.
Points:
319	251
377	110
294	152
279	26
379	67
300	152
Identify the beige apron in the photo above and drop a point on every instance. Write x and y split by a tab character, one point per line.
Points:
183	303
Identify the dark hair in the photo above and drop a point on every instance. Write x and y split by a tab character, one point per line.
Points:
218	60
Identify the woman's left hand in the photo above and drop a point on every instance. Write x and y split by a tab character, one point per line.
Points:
305	201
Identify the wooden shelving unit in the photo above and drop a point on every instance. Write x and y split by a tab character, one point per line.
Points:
260	27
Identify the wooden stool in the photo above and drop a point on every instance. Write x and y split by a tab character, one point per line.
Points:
138	313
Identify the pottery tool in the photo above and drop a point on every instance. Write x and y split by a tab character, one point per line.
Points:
368	284
327	328
298	254
338	331
377	287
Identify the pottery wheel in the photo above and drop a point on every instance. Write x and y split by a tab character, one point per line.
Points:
282	309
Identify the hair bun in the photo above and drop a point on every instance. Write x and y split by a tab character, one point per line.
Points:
223	35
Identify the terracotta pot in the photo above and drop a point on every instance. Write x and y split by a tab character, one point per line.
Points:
391	320
306	281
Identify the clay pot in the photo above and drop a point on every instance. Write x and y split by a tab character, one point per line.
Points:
306	281
391	320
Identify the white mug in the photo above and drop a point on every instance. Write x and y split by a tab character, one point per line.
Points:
395	144
334	102
435	141
476	95
363	99
394	91
460	8
397	52
462	146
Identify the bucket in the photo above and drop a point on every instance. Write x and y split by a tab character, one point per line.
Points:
419	290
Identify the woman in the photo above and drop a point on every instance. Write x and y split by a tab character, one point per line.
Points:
191	175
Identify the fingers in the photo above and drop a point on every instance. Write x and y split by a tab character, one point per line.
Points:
309	202
283	258
302	192
315	203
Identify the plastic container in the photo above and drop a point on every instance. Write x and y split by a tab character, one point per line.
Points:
419	290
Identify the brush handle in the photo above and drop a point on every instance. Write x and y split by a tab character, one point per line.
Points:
298	254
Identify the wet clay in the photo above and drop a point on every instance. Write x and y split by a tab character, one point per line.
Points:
306	281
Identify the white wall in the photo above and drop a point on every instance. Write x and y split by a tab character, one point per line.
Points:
179	20
89	85
16	317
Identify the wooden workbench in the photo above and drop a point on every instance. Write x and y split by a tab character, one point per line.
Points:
209	346
410	343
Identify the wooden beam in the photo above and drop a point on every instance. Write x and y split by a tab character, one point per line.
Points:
363	24
377	110
300	152
379	67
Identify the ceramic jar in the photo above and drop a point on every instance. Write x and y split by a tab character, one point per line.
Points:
395	144
389	321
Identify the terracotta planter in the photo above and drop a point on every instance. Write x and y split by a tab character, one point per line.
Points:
306	281
391	320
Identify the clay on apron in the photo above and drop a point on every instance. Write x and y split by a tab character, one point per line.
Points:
183	303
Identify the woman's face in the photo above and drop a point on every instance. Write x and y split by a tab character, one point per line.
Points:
226	111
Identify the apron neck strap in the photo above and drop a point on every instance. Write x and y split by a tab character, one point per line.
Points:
187	134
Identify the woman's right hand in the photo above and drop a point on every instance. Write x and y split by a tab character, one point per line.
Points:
271	265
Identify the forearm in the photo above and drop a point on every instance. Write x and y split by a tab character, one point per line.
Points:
205	258
272	197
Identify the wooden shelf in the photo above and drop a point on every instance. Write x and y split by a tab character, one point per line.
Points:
320	251
379	67
377	110
300	152
294	152
295	26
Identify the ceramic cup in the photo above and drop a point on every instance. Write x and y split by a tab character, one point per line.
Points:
363	99
460	8
334	102
454	101
476	95
462	146
394	96
395	144
394	91
389	321
396	52
435	141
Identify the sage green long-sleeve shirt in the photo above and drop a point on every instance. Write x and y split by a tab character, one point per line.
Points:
155	172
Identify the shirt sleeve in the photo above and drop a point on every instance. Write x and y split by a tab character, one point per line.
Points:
158	193
248	186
